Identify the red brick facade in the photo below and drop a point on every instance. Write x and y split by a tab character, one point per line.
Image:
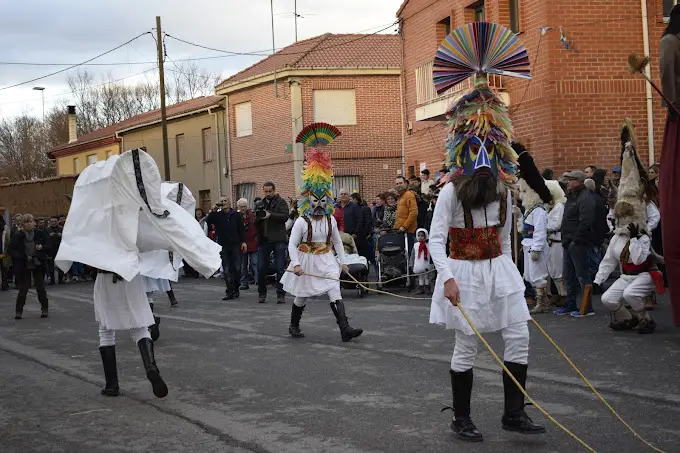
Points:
570	112
370	149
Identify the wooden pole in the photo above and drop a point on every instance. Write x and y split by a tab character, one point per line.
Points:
164	118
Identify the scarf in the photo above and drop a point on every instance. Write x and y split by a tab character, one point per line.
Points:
422	248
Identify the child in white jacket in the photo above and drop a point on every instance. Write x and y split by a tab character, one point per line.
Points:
422	262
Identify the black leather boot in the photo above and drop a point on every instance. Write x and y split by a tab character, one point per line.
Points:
173	300
346	331
295	316
152	373
155	329
462	425
108	354
514	418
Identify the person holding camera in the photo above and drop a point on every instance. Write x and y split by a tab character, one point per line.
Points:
232	237
271	214
29	249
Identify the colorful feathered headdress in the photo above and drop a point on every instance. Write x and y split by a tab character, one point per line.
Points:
480	130
317	177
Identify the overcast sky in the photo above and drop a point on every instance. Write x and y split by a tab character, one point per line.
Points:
72	31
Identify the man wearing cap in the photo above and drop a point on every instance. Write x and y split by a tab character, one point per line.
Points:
425	182
614	185
577	232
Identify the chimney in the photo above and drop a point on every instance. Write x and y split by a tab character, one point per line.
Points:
72	130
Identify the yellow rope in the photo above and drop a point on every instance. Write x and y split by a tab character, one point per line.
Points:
519	386
500	362
590	385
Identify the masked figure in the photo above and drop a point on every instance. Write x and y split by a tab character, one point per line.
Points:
313	238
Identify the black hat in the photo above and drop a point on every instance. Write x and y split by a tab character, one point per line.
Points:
529	172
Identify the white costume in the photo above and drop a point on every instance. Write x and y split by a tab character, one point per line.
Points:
652	217
534	230
422	261
324	264
117	212
555	250
491	290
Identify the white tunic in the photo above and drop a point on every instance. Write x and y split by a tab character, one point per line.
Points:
491	291
639	252
122	305
536	272
323	264
555	250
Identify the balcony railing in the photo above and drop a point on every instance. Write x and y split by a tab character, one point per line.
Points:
425	92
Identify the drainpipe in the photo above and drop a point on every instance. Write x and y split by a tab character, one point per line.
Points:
120	143
403	127
648	88
227	164
217	149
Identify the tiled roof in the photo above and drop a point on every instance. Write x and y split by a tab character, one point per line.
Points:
329	51
144	118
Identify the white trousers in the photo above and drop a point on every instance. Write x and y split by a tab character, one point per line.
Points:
108	337
424	280
334	295
515	336
631	289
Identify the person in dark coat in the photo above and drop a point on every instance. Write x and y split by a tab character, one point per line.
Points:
232	237
54	232
365	228
577	240
29	249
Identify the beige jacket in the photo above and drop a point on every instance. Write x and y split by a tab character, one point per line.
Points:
670	67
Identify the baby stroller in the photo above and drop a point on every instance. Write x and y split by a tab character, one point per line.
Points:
358	266
393	259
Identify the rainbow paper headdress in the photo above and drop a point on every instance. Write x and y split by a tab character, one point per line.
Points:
480	131
317	176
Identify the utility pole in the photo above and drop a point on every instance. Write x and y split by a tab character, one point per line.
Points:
295	14
164	119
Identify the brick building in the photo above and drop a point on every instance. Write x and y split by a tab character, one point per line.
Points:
570	112
350	81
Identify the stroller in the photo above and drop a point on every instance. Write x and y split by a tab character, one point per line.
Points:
393	259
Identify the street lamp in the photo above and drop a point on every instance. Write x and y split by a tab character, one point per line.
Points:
42	91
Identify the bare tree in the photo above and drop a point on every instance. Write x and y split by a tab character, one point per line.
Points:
23	151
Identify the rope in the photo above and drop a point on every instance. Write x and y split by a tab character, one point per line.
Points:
500	362
590	385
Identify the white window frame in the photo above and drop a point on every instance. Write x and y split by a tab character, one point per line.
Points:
326	115
207	144
89	159
76	165
349	182
180	151
244	128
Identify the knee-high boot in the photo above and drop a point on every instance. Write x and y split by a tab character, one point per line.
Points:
171	296
542	303
346	331
462	425
514	418
295	316
152	373
108	354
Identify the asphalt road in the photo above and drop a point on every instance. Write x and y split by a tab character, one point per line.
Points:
239	383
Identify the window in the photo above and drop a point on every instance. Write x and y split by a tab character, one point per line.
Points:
475	12
244	119
109	154
76	165
336	107
480	12
350	183
514	15
443	29
247	191
180	149
667	7
207	141
204	201
91	159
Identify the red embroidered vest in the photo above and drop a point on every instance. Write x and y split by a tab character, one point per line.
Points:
476	244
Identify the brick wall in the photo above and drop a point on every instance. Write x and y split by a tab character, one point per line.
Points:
570	112
370	149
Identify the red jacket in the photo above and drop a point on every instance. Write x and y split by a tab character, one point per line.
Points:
251	232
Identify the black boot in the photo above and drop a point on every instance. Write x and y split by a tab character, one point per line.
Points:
461	425
346	331
295	315
173	300
154	329
514	418
152	373
110	370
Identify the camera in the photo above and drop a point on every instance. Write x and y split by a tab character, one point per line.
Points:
260	210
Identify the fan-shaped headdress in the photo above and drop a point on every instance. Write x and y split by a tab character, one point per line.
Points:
317	177
480	128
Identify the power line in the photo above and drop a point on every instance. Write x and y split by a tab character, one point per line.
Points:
75	65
